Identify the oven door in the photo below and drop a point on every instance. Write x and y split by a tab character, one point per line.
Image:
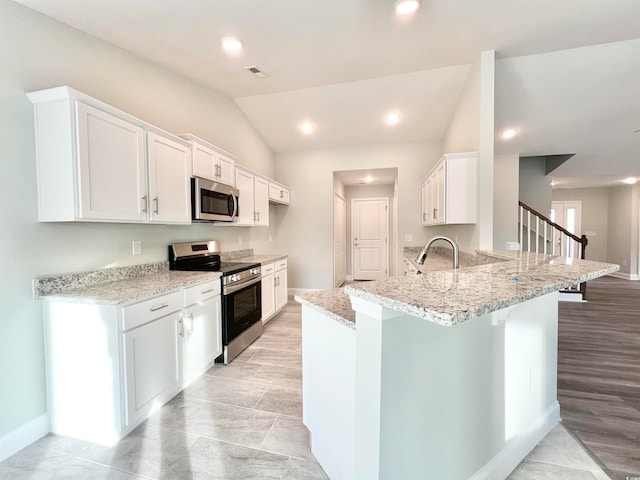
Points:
241	308
211	201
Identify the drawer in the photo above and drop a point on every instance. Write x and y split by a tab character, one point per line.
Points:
280	264
267	269
199	293
143	312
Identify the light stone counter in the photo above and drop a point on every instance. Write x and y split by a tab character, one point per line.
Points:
450	297
132	289
333	303
261	259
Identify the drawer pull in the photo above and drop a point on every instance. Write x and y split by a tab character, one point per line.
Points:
207	291
159	307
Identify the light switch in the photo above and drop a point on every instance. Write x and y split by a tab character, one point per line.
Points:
137	247
590	233
408	237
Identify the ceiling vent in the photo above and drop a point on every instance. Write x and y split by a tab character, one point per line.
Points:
256	71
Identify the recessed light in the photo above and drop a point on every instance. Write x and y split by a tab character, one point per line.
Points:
231	44
509	133
368	179
392	118
405	7
307	127
630	181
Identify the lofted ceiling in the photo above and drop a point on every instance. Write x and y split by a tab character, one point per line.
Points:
345	64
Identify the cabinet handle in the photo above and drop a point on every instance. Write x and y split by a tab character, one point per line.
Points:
192	323
281	194
258	213
157	205
144	202
207	291
181	331
159	307
217	170
435	214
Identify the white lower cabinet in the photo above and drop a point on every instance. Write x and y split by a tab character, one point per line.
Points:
151	357
280	280
201	329
274	288
268	292
109	367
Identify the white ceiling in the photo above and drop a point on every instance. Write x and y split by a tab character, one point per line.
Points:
377	176
343	64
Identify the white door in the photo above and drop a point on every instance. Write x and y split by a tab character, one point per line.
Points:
339	240
568	215
369	238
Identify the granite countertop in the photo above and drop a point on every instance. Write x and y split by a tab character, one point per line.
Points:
334	303
450	297
261	259
121	292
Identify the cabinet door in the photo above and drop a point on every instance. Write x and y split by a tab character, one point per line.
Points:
425	201
203	162
225	170
169	175
261	201
244	184
278	194
439	195
281	288
268	296
202	329
151	360
112	167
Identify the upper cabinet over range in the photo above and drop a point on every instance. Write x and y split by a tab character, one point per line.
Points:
211	162
96	163
449	190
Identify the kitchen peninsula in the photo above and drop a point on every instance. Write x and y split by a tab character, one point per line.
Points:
448	375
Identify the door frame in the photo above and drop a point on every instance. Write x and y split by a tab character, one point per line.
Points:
351	236
565	204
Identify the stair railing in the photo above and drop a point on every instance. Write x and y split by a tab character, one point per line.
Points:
547	236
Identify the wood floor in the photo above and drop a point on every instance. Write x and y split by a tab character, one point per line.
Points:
599	373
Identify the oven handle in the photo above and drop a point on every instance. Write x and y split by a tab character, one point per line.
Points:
235	207
239	286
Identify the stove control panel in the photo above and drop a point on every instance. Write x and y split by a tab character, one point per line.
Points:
241	276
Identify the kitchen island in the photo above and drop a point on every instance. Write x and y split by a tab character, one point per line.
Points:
450	374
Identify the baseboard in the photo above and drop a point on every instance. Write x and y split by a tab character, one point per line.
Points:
23	436
516	449
625	276
295	291
348	278
571	297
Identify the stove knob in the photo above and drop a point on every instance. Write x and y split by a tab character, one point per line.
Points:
254	271
234	278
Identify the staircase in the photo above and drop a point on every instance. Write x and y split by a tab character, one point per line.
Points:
537	233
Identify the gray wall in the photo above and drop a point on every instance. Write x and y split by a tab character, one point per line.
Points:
534	185
37	52
595	215
306	226
622	240
505	200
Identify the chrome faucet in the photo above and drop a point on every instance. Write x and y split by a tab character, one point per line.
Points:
456	253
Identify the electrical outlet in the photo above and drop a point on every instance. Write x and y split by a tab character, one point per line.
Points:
239	240
270	238
590	233
408	237
137	247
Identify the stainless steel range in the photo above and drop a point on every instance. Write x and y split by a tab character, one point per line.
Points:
241	292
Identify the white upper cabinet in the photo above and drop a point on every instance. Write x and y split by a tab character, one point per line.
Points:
111	159
449	190
211	162
169	193
253	200
97	163
278	194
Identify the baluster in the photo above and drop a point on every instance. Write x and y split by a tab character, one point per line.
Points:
537	234
521	229
529	230
546	227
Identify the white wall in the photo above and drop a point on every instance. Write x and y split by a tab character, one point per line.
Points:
37	52
472	129
505	201
595	214
306	226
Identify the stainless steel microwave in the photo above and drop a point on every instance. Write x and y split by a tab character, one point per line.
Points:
212	201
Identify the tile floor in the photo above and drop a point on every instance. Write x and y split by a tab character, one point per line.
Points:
242	421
